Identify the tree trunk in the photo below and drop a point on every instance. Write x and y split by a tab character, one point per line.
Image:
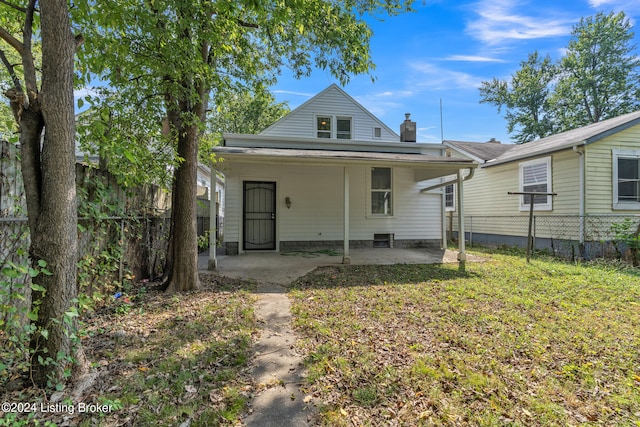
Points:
54	224
183	275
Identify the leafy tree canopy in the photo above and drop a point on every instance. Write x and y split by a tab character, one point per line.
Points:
244	112
598	78
189	54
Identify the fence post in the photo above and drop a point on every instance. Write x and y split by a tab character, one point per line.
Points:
533	236
122	254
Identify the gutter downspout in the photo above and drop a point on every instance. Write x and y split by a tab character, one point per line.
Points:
581	190
462	256
472	172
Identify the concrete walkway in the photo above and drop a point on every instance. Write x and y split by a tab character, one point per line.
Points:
278	369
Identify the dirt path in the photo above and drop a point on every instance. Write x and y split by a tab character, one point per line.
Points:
278	367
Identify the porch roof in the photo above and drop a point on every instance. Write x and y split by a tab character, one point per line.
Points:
427	167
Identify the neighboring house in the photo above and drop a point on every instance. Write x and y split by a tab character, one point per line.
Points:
594	170
330	175
204	209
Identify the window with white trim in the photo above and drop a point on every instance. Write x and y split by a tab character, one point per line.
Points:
343	127
535	176
381	191
626	179
323	126
449	198
336	127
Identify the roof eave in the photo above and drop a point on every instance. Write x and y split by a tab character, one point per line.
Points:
495	162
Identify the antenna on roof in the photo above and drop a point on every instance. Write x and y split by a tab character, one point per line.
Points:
441	127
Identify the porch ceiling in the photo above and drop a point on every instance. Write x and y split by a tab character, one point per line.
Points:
425	166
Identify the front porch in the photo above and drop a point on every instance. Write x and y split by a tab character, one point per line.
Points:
283	268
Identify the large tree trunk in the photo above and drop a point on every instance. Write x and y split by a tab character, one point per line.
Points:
54	223
183	274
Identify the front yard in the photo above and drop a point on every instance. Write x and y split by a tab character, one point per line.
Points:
504	343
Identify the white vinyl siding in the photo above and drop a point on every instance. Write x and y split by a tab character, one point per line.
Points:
301	122
316	194
535	176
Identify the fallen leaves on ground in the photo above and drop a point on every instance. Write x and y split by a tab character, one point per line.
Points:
167	360
502	343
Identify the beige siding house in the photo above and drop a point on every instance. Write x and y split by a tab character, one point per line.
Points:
594	171
330	175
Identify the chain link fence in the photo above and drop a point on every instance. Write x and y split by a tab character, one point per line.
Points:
568	236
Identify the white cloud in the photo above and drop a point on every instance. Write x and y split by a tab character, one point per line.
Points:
630	7
395	94
499	21
290	92
434	77
472	58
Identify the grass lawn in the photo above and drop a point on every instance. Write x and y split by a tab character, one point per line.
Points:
504	343
177	359
164	360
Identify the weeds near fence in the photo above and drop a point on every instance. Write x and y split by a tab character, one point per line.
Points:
626	234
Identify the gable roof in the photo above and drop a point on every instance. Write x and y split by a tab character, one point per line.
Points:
331	88
562	141
479	151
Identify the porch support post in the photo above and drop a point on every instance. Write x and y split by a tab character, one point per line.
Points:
213	211
462	255
346	258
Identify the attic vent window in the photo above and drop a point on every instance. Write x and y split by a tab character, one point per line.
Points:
377	132
324	127
344	128
333	127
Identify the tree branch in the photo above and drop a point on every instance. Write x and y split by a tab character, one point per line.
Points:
12	41
28	64
246	24
79	38
11	70
14	6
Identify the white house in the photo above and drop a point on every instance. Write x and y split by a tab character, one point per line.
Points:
332	175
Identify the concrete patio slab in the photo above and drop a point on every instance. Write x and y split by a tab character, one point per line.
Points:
283	268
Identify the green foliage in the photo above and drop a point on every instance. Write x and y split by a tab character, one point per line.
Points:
525	98
129	144
626	236
242	112
99	267
17	323
203	241
176	59
600	72
598	78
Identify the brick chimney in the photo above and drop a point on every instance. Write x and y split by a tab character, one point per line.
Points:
408	130
493	141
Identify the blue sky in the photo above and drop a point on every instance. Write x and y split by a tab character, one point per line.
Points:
444	50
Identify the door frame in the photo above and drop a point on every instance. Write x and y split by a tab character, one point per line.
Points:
274	213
